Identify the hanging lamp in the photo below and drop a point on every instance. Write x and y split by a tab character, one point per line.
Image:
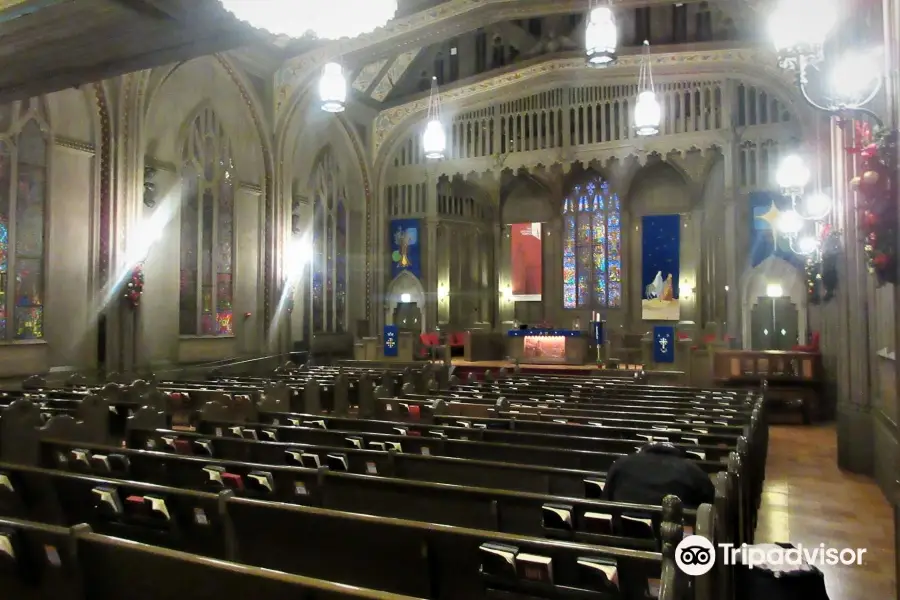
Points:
601	36
333	88
434	140
647	111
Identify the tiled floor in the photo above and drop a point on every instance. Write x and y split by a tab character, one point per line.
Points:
808	500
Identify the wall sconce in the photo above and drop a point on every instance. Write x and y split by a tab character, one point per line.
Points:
726	288
405	298
507	293
774	290
443	292
686	290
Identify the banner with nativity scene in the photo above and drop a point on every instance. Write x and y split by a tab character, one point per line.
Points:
661	258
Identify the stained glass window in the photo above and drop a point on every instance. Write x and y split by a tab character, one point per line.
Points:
592	247
330	243
23	177
207	230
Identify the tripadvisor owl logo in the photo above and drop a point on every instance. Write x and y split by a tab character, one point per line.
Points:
695	555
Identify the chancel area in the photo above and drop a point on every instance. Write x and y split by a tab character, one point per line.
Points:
448	299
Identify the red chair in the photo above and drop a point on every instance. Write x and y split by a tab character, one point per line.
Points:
427	344
813	345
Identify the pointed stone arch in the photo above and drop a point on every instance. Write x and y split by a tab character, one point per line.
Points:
404	283
754	284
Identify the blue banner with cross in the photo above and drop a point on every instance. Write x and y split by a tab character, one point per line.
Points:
663	344
390	340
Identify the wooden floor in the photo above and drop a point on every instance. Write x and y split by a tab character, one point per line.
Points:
808	500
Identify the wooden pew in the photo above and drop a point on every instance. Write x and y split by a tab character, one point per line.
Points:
394	555
49	561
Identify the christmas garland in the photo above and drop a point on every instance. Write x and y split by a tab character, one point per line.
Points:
877	206
134	286
821	269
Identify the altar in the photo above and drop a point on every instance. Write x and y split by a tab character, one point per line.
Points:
548	346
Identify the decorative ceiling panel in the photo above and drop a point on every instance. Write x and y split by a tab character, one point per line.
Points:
367	75
393	75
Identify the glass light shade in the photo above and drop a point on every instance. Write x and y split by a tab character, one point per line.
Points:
793	174
434	140
647	114
601	37
817	205
855	77
807	245
774	290
296	18
789	222
333	88
799	24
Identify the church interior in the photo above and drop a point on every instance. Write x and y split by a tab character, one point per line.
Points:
442	270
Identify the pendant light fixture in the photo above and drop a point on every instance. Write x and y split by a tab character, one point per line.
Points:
601	36
434	139
333	88
647	111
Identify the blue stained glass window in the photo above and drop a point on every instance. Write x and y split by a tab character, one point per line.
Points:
592	239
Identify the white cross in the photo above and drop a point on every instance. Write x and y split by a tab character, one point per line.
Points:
663	345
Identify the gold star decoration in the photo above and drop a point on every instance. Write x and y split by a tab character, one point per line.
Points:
771	216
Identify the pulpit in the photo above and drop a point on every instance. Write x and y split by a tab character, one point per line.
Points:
548	346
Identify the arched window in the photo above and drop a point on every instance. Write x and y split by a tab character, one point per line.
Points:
330	240
23	188
592	247
207	229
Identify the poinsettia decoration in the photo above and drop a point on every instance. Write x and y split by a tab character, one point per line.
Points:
134	286
877	206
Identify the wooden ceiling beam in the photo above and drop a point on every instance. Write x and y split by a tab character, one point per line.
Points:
67	77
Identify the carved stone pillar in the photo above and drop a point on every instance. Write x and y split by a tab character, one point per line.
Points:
855	449
732	264
431	274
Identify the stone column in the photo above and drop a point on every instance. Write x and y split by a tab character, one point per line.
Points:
430	276
853	409
431	273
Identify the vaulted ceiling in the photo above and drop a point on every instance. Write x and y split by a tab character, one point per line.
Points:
558	30
48	45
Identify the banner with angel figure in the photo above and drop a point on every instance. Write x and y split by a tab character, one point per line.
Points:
661	258
405	249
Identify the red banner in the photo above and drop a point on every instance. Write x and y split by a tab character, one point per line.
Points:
526	250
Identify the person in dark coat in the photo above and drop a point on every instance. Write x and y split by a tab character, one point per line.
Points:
655	471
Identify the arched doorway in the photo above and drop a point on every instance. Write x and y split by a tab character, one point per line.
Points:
406	303
774	315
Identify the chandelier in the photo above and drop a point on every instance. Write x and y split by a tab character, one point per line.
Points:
647	111
298	18
799	34
601	36
793	176
333	88
434	140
